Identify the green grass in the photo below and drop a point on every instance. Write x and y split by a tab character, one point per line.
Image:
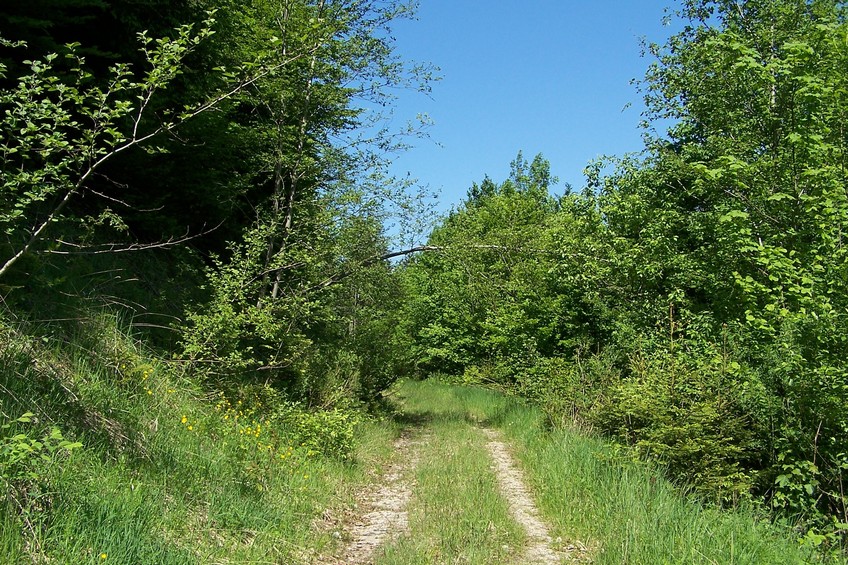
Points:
622	511
166	474
456	514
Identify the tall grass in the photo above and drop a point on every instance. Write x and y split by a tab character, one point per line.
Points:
169	472
593	496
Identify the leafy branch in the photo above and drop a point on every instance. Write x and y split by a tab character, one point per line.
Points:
58	133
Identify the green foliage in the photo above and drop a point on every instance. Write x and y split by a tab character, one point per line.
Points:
569	391
60	127
759	153
607	507
27	463
300	297
329	433
28	467
301	210
165	465
691	303
237	331
262	412
477	300
24	458
703	416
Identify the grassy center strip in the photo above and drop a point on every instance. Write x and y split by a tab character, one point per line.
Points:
457	514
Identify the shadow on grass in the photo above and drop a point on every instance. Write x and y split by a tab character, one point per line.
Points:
413	420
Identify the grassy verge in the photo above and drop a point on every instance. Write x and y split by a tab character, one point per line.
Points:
620	510
168	472
171	473
456	514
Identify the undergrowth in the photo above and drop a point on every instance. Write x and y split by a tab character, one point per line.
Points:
620	508
110	454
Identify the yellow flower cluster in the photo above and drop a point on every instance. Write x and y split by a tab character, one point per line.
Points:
145	374
184	421
254	433
139	374
287	453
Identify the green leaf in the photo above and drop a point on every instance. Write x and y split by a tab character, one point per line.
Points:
729	216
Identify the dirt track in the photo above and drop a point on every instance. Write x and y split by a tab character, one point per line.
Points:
382	509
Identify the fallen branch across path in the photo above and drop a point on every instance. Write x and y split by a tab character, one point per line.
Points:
338	277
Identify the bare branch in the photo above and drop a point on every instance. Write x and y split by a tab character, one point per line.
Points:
124	247
118	200
338	277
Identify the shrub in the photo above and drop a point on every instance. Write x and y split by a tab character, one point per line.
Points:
27	460
699	414
326	432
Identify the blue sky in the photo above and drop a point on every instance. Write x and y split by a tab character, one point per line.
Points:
541	76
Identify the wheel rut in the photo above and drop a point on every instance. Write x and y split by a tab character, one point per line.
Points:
513	488
382	507
381	513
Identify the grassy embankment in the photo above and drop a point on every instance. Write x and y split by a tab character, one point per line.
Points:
168	472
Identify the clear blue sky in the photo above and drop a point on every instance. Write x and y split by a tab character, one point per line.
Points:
541	76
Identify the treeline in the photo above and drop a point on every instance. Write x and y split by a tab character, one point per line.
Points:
692	302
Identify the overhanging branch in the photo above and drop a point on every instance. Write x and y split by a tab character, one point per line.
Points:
99	249
338	277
